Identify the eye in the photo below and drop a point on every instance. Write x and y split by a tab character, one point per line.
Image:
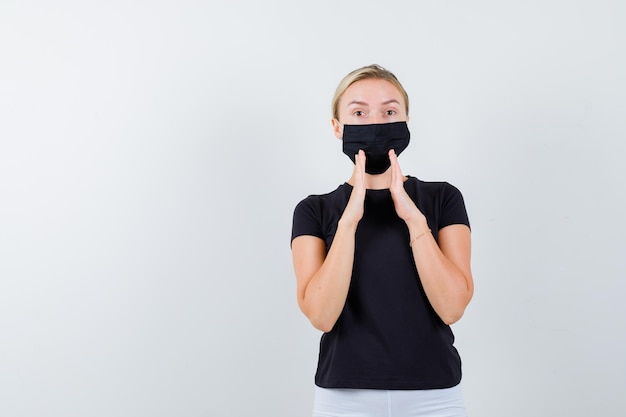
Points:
359	113
390	112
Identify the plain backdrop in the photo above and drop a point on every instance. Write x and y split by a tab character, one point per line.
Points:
152	152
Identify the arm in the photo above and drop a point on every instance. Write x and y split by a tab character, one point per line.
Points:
323	279
444	269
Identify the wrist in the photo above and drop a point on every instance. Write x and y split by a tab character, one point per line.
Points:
347	225
417	225
417	229
418	236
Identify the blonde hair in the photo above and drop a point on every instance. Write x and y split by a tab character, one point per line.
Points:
370	71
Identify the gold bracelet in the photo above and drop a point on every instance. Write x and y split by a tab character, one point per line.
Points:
417	237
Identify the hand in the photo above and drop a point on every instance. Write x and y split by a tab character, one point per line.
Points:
355	207
405	207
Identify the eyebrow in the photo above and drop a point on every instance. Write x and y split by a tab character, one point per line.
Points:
362	103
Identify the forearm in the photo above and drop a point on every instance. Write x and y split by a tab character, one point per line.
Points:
448	288
326	292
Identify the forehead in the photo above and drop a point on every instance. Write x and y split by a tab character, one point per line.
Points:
371	91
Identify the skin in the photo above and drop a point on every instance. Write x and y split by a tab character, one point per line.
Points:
323	279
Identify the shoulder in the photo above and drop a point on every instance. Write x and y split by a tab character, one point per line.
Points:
440	201
314	214
317	201
441	188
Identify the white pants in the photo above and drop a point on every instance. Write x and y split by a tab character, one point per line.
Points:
342	402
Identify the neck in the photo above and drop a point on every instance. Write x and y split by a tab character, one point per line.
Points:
375	182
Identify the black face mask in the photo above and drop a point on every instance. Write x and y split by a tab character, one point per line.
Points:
376	140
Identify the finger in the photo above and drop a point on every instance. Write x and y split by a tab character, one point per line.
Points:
396	174
360	157
393	157
394	164
359	168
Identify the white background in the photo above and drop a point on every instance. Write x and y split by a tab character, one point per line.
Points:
151	155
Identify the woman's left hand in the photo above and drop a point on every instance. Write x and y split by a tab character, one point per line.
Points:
444	266
405	207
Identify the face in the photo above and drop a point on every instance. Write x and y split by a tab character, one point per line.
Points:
370	101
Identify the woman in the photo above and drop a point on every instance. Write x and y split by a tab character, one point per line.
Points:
383	267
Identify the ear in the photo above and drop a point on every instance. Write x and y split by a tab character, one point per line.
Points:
337	128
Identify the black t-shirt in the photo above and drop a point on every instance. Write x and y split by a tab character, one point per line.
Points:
387	336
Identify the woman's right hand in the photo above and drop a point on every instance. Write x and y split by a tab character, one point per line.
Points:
324	278
353	212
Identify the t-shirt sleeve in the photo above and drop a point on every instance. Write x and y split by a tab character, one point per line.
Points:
307	219
452	207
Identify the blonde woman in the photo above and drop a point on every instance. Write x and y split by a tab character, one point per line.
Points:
383	267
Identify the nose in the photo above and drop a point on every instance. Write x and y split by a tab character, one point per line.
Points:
376	119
